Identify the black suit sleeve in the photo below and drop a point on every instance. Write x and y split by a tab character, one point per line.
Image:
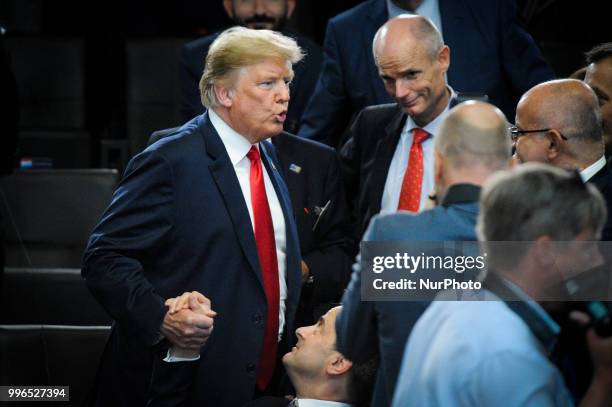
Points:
189	80
171	383
330	259
137	223
328	104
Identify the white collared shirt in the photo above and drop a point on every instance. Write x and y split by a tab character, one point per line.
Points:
428	8
399	162
318	403
592	169
237	147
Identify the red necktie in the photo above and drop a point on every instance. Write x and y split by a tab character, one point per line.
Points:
410	195
266	249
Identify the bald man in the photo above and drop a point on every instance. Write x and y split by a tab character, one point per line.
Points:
472	143
388	159
559	123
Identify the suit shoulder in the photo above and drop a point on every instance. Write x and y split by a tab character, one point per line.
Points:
354	15
378	112
181	143
199	44
305	144
409	226
304	42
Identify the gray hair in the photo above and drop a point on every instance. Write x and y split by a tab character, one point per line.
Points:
536	200
239	47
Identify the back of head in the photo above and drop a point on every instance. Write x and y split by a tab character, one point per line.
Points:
535	200
239	47
474	134
568	105
361	381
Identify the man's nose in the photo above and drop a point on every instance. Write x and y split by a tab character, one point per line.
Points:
402	88
283	93
260	7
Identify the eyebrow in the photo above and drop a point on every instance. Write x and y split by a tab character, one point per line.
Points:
321	321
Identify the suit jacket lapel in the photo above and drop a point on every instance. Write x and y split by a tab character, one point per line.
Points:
383	156
293	252
225	177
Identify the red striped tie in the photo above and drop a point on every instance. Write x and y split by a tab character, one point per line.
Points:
266	249
410	194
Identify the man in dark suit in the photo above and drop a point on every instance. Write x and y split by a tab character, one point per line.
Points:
559	123
388	159
204	211
492	54
311	171
268	14
472	143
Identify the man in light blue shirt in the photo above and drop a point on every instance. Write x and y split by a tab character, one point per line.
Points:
489	352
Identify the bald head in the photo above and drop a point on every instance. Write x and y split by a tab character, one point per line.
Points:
568	119
568	105
406	32
474	135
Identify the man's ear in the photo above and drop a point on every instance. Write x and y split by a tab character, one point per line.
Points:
227	5
224	95
338	365
554	144
290	8
444	58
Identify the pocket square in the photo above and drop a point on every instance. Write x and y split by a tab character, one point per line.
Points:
295	168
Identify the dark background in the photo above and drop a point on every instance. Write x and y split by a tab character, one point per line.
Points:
96	77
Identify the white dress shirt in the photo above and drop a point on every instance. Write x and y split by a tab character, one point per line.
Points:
399	162
237	148
592	169
316	403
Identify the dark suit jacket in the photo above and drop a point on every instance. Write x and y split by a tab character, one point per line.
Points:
365	328
367	155
178	222
191	66
490	54
603	181
311	172
325	241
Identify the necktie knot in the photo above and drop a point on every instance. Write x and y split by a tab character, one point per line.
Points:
253	154
419	135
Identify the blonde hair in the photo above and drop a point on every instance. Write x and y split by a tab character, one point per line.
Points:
239	47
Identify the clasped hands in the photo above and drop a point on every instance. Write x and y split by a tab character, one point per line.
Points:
188	323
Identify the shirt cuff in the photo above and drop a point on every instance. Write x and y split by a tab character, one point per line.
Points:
173	359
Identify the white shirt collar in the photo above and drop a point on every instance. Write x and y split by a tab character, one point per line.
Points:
320	403
592	169
237	146
432	126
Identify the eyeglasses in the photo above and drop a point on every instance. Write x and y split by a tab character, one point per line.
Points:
515	133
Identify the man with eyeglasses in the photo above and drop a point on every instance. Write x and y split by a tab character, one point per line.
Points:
559	123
